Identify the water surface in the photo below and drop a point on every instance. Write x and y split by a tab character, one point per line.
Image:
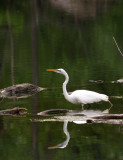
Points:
77	36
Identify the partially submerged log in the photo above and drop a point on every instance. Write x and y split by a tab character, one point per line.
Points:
109	116
96	81
23	90
81	116
13	111
107	121
120	80
53	112
88	113
101	81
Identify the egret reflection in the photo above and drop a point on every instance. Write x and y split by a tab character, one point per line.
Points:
85	113
89	114
64	143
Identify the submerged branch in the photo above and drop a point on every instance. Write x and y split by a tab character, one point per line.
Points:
13	111
117	47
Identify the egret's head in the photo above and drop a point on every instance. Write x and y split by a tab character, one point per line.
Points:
61	71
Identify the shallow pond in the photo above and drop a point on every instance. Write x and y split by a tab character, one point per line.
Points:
77	36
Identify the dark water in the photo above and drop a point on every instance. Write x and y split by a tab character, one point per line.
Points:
77	36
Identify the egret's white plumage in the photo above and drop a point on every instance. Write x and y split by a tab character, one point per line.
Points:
80	96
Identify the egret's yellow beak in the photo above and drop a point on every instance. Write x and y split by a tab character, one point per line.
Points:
53	147
53	70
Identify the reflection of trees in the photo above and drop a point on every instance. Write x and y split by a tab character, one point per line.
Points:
3	59
11	44
35	104
83	8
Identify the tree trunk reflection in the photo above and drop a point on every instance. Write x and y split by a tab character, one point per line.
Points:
35	103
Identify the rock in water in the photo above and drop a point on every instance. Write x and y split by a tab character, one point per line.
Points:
23	90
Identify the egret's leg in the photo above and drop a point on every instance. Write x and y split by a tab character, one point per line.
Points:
1	99
110	106
82	106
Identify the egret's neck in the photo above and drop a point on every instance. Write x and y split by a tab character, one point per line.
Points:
66	95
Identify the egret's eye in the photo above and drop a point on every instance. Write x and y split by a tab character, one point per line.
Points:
59	70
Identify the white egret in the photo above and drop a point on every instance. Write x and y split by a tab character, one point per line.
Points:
80	96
